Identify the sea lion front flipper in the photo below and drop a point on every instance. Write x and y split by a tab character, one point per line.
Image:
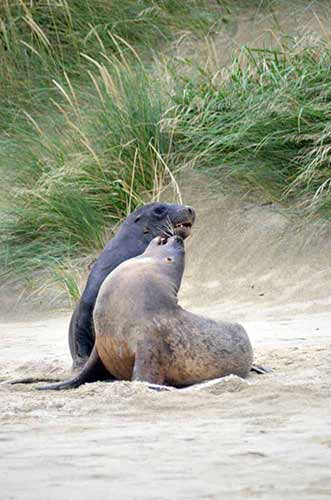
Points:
93	371
148	365
261	370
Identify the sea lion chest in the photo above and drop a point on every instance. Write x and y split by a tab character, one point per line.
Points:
122	314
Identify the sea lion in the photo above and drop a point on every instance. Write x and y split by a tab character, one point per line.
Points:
143	334
132	238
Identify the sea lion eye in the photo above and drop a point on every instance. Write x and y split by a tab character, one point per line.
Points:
169	259
160	210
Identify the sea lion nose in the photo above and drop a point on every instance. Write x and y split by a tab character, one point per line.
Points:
191	211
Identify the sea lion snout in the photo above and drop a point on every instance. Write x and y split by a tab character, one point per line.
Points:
175	242
191	211
183	222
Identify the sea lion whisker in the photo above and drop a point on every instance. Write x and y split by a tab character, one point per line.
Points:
166	229
170	226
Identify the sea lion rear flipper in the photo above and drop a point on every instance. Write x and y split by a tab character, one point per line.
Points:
29	380
148	365
93	371
261	370
81	333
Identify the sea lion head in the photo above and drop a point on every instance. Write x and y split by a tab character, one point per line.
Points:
170	256
161	219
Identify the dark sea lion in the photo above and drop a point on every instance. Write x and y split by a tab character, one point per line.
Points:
132	238
142	333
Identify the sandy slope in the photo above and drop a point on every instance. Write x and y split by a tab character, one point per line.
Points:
266	437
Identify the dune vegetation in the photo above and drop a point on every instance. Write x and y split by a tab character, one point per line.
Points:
95	121
82	135
265	124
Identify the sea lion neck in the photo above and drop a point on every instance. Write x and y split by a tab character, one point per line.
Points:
169	257
159	281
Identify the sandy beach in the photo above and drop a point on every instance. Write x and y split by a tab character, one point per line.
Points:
264	437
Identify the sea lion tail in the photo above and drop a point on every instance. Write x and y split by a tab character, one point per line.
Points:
93	371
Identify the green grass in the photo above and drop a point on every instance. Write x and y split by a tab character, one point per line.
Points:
89	131
82	135
39	40
265	125
97	161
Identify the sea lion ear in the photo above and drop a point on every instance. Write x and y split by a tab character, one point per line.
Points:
137	218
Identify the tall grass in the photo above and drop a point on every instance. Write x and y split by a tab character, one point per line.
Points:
98	160
264	124
88	131
41	39
82	138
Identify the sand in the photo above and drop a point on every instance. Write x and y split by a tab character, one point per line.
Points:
266	437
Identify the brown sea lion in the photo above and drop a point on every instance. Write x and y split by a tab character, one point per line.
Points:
142	333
